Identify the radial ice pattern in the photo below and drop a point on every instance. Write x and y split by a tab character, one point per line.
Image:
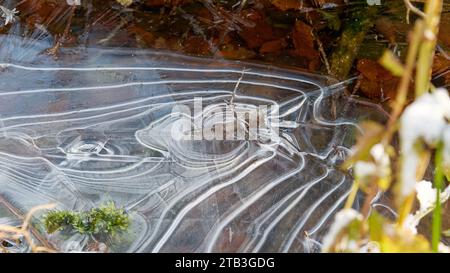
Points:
97	125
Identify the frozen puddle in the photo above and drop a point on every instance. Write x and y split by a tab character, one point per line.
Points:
98	125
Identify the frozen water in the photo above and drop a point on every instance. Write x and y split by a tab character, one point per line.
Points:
96	125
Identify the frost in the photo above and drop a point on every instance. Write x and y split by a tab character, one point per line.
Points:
426	194
379	154
365	169
342	220
378	168
8	15
381	159
443	248
425	119
411	222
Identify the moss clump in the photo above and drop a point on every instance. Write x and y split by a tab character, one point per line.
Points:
58	220
104	220
352	37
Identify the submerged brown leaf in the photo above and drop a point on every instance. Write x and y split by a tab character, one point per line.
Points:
376	83
303	40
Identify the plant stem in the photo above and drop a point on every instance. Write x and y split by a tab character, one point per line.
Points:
405	209
352	195
402	93
433	9
438	184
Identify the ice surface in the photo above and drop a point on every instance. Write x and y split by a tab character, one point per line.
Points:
95	125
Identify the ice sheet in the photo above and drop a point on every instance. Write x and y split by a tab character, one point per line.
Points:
96	125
